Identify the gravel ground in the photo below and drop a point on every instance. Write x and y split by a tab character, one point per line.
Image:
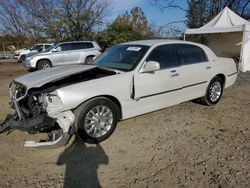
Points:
188	145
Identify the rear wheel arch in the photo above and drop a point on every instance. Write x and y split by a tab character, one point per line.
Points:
88	57
214	89
223	77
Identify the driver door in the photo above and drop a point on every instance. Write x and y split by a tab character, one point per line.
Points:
61	56
161	88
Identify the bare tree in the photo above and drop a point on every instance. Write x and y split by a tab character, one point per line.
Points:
170	4
199	12
213	7
81	16
57	19
12	18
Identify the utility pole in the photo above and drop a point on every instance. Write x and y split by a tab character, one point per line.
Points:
3	49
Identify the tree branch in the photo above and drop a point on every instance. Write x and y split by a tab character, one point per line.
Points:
173	6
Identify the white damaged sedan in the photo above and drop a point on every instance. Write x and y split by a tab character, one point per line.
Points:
127	80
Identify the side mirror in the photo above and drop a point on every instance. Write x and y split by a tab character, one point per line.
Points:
150	66
55	50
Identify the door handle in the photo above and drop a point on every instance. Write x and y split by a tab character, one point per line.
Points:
173	71
174	75
208	67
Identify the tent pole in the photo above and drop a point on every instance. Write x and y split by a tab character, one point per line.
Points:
241	61
184	37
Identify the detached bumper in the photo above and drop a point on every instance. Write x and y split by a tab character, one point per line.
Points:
32	125
44	122
55	138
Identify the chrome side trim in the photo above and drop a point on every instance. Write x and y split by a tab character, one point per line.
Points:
232	74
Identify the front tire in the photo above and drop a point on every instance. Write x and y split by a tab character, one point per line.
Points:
43	64
214	91
96	119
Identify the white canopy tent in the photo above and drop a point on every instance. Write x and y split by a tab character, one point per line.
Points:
230	36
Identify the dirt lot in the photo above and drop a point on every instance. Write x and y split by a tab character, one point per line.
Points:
188	145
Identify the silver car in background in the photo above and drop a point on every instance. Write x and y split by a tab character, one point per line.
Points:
66	53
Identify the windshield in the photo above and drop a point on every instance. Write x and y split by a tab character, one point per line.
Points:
50	48
122	57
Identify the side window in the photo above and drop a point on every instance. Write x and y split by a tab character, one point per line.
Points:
81	45
88	45
47	46
166	55
64	47
40	48
191	54
37	47
77	46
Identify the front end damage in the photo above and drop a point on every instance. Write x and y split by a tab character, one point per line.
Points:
38	112
39	109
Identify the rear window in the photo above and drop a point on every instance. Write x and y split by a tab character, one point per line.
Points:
191	54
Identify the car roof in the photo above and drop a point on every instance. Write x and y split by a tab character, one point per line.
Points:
76	41
44	44
157	42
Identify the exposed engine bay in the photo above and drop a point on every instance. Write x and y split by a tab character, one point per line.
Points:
36	109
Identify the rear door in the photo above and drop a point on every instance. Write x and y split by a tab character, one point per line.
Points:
76	53
88	51
196	70
80	50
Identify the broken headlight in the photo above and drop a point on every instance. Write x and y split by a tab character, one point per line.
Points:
17	90
53	102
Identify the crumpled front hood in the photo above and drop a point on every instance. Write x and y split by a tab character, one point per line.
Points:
39	78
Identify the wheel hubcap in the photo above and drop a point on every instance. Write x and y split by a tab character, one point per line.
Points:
98	121
215	91
88	61
45	66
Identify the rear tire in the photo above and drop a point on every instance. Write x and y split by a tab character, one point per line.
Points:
43	64
214	91
88	60
96	120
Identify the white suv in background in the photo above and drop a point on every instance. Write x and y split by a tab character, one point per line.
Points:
65	53
36	48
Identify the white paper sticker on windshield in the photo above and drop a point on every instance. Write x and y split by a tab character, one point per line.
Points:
134	48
